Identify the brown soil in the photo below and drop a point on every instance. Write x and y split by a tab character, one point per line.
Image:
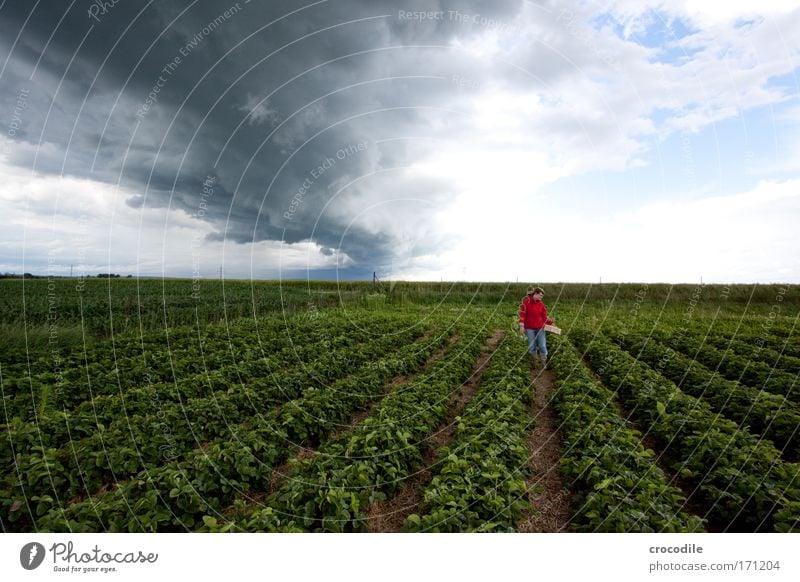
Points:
546	492
389	515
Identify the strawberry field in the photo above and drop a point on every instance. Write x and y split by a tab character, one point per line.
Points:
413	409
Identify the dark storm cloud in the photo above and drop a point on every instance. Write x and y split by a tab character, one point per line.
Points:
165	96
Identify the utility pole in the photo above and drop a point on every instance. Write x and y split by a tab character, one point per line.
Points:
70	271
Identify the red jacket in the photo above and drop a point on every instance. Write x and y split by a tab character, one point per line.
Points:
533	314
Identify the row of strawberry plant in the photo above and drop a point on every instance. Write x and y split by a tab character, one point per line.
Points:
617	485
103	370
480	481
177	495
770	415
105	408
332	490
320	411
145	422
757	348
33	361
786	329
140	440
737	476
122	347
268	376
754	373
158	355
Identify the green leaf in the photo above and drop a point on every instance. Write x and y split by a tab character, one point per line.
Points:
603	484
210	521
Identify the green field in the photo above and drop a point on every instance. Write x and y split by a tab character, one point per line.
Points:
150	405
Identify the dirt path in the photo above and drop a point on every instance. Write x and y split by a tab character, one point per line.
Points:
389	515
546	491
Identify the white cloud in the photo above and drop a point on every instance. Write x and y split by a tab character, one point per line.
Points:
584	69
72	221
701	13
260	110
742	237
788	159
705	13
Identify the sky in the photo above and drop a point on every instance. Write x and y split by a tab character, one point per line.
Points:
492	140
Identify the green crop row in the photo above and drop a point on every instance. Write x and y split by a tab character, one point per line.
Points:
177	495
737	476
758	348
617	485
786	329
277	375
770	415
144	438
754	373
332	490
479	483
102	307
102	371
159	354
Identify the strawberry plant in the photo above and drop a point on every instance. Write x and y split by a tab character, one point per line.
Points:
617	485
739	477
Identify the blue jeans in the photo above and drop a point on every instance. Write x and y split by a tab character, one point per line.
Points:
536	341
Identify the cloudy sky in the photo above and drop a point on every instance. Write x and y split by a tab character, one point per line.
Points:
459	140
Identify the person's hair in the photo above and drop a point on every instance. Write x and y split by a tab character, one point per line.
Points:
539	290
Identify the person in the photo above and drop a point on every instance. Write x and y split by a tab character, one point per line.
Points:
532	319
